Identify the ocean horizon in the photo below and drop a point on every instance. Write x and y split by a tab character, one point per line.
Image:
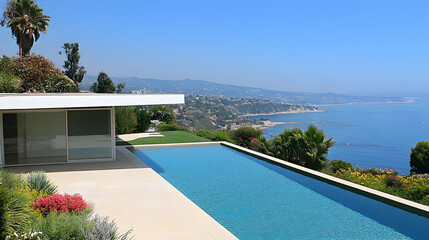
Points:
369	135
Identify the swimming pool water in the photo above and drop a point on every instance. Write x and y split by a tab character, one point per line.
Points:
254	199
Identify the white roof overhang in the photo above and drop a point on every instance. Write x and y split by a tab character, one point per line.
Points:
83	100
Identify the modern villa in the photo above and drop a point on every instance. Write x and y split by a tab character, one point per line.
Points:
199	190
57	128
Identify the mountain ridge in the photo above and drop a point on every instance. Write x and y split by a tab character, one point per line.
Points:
206	88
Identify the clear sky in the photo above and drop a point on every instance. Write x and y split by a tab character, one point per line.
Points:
342	46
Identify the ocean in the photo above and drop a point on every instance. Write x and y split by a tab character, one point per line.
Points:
371	135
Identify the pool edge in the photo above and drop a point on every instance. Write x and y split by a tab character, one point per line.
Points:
389	199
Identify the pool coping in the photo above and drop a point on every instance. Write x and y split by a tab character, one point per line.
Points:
389	199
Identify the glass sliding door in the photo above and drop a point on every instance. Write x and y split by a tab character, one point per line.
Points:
89	134
34	137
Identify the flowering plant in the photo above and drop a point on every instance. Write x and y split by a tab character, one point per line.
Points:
408	187
27	236
395	182
245	135
60	203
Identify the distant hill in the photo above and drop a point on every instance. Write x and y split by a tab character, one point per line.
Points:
206	88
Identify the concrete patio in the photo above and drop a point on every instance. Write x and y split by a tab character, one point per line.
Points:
134	136
136	197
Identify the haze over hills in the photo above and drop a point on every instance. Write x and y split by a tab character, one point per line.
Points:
206	88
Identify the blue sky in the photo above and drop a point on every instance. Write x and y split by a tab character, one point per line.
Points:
343	46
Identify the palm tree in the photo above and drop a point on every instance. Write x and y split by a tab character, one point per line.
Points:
26	20
307	148
317	147
289	145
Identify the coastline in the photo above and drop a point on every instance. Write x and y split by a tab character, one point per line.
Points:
350	103
286	112
265	124
269	124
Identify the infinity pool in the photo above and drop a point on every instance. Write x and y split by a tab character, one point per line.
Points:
254	199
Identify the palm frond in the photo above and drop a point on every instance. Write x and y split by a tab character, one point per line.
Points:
26	20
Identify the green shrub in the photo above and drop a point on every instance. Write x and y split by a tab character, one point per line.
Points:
15	211
162	113
78	226
5	229
143	120
9	83
338	164
419	158
220	135
60	84
169	127
204	133
376	171
63	226
4	63
40	182
125	119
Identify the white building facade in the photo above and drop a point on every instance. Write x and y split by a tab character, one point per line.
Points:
40	129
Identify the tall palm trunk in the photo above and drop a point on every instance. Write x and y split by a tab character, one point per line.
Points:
26	20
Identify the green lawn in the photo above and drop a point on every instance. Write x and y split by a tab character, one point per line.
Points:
169	137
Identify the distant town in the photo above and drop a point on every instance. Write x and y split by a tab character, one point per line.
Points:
203	112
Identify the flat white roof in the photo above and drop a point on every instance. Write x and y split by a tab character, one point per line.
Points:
23	101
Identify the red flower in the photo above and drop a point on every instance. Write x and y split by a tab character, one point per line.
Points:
60	203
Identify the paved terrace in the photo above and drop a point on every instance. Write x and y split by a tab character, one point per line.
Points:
135	196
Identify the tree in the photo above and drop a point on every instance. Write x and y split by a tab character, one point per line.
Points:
120	87
143	119
307	148
26	20
289	145
125	119
162	113
71	65
318	147
105	85
38	74
419	158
